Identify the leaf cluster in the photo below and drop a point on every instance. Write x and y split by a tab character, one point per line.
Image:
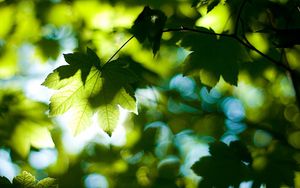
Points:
26	180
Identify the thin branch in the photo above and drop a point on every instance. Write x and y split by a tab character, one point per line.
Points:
119	49
246	44
196	31
250	46
274	61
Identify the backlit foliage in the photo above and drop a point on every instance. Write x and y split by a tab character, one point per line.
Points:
171	93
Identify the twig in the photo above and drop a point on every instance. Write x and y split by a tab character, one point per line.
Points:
119	49
196	31
234	36
275	62
244	42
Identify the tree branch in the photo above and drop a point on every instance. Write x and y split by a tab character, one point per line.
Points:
274	61
245	43
196	31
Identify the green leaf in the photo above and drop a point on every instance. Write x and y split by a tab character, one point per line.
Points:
219	56
219	150
241	151
24	180
47	183
223	168
104	89
48	47
149	25
78	61
4	182
115	91
23	123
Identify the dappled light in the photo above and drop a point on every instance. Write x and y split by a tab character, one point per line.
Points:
218	19
172	93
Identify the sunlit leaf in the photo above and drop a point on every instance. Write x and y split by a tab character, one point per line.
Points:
86	88
47	183
23	123
24	180
29	134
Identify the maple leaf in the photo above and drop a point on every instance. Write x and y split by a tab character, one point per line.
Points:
225	166
149	25
91	89
27	180
219	56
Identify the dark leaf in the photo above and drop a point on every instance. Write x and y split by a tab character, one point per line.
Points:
276	167
5	183
212	5
79	61
222	168
286	38
219	150
241	151
49	47
195	3
149	25
116	75
219	57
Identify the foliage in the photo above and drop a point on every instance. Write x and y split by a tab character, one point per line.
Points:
23	123
26	180
225	166
102	87
214	87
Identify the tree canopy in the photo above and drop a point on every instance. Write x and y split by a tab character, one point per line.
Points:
172	93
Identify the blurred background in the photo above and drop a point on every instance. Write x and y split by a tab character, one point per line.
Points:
178	115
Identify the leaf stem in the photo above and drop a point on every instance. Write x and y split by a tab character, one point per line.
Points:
119	49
